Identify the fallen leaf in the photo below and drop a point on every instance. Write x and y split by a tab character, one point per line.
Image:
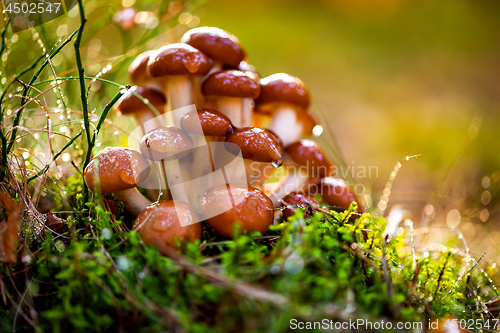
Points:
9	229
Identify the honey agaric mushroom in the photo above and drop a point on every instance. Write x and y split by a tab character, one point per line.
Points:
167	220
119	171
178	63
139	75
283	97
130	104
224	206
335	192
309	161
211	126
293	201
257	146
235	91
167	145
221	46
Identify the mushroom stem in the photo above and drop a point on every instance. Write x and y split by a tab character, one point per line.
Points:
292	184
204	158
180	94
198	98
285	125
264	172
134	202
174	178
232	107
254	171
217	67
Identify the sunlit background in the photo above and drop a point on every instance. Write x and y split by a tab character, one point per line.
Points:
389	79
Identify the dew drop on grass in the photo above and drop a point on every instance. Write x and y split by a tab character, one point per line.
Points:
294	264
122	263
106	233
275	269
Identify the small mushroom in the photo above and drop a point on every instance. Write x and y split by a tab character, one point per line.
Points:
223	47
210	126
130	104
336	193
235	91
283	97
224	206
179	64
258	147
119	171
167	220
307	161
139	75
167	145
293	201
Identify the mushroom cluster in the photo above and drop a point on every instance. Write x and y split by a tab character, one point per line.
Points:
261	120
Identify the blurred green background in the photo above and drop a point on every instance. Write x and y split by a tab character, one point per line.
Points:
389	78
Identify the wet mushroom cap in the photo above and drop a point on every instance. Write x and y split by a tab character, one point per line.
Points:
232	83
282	88
166	143
178	59
138	69
337	193
255	143
248	206
129	103
280	142
297	199
212	123
216	43
309	154
118	169
167	220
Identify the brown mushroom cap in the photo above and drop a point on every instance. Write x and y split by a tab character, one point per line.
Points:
256	144
337	193
213	123
297	199
216	43
282	88
166	143
162	220
138	69
131	104
232	83
178	59
280	142
254	210
118	169
309	154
